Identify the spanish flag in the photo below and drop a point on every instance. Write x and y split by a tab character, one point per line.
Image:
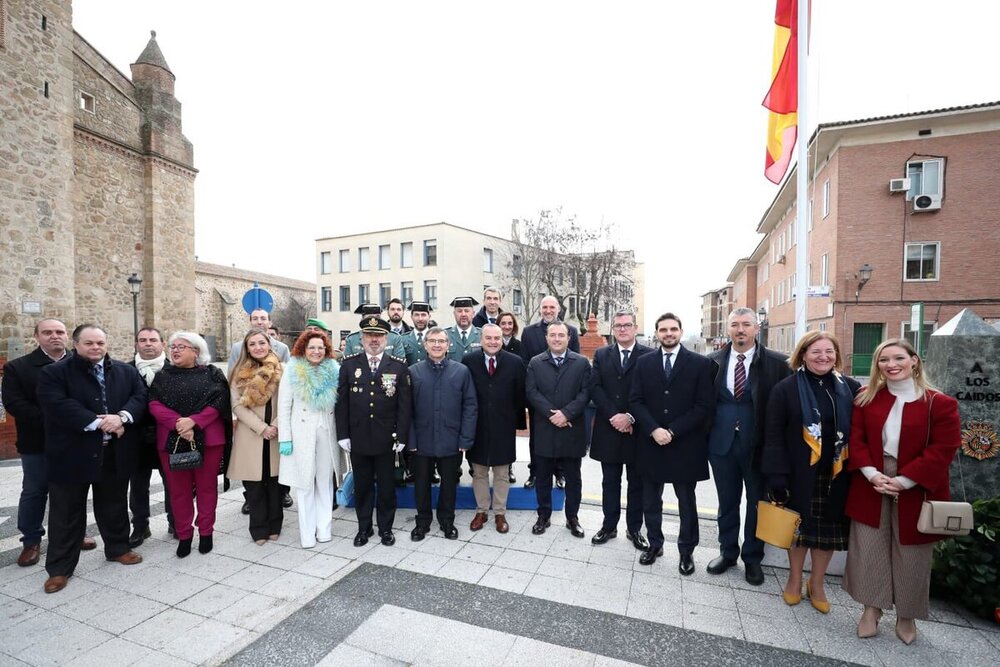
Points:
782	97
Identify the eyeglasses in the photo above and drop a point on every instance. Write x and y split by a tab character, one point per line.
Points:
627	325
436	341
177	346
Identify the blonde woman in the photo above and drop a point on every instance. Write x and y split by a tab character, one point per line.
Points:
254	393
903	438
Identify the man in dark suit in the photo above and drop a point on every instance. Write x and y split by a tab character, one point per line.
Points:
746	373
373	421
91	405
613	441
499	378
396	322
672	400
558	388
20	399
490	312
533	343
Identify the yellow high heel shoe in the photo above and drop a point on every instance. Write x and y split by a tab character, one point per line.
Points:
821	607
791	599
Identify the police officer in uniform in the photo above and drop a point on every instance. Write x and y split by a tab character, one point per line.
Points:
413	340
464	336
394	343
374	407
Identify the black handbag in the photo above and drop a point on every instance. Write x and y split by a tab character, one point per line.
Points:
184	454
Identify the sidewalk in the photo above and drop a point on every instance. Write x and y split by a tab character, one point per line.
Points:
485	598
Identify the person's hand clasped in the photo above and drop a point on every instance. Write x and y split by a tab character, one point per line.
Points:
662	437
558	419
270	433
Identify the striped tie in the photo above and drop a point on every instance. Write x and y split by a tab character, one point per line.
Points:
739	376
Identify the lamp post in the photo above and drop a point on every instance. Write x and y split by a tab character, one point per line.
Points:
134	285
762	319
864	275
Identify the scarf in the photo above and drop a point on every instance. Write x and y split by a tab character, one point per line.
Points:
148	367
258	381
314	385
812	428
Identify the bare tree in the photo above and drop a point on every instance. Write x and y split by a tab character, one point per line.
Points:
291	317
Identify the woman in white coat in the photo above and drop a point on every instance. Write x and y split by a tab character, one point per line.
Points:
307	434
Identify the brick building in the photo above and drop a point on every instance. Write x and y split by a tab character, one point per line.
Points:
902	210
715	307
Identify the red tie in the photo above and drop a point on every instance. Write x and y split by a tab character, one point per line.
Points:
739	377
492	366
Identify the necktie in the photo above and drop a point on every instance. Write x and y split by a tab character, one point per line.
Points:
465	338
557	361
493	320
492	366
667	365
373	362
739	377
624	357
420	337
99	374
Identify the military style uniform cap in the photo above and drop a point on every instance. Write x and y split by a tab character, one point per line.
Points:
374	325
368	309
420	307
463	302
313	322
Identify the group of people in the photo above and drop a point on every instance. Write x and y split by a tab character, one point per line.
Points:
854	462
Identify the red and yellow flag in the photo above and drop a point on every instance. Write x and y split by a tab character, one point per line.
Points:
782	97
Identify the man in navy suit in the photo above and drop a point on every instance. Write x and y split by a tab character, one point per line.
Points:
613	441
533	343
747	372
672	400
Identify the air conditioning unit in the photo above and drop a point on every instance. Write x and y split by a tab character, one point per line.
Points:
780	260
922	203
899	185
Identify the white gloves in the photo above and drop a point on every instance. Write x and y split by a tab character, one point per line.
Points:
398	447
345	444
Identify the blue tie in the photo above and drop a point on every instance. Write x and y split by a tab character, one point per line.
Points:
667	366
99	374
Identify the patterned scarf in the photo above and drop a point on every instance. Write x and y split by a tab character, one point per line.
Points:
316	385
812	427
258	381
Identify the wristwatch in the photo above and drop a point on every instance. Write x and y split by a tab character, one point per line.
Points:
125	417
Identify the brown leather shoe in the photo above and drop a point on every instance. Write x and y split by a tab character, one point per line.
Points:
478	521
88	544
29	555
55	584
127	558
502	526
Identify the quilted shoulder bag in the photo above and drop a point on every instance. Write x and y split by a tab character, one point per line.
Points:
184	454
944	517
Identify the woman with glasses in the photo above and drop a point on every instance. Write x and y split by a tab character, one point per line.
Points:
254	395
190	401
307	434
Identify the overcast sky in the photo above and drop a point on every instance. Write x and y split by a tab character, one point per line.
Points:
313	119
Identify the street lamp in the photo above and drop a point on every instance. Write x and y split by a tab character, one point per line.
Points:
864	275
762	320
134	285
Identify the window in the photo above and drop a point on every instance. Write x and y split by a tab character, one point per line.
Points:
791	233
824	269
926	178
922	261
487	260
383	257
431	293
363	263
810	225
345	299
364	294
87	102
822	326
326	299
345	261
430	252
325	260
518	300
826	197
910	335
517	265
384	294
781	292
406	292
406	255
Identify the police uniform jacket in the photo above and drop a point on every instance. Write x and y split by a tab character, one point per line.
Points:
393	345
374	411
456	350
414	349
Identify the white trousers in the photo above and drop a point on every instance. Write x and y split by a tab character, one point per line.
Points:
315	505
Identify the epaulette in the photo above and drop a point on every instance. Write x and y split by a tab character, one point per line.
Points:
402	359
351	356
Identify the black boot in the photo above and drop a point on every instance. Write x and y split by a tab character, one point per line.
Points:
184	548
204	543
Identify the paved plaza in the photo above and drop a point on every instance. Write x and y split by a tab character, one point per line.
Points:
485	599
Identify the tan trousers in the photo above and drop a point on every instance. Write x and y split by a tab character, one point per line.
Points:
880	571
481	487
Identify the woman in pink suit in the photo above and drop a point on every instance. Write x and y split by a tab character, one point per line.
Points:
191	397
904	436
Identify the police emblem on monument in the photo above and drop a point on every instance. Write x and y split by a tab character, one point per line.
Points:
980	440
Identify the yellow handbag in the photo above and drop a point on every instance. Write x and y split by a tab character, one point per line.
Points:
776	524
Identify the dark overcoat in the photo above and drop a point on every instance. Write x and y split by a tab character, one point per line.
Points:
610	388
565	388
444	409
501	407
684	404
20	398
533	340
374	411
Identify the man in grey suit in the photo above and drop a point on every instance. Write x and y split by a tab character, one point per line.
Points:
259	319
558	388
746	373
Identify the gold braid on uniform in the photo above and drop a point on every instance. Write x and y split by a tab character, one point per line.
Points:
258	382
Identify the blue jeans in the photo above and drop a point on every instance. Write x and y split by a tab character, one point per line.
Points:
34	494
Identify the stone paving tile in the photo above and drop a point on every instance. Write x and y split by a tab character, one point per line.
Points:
388	556
520	560
532	652
561	568
463	570
171	587
951	639
13	611
439	546
602	598
539	544
407	641
111	610
549	588
479	553
30	589
50	639
345	654
514	581
163	628
763	604
292	586
117	651
720	597
656	609
783	633
210	638
253	578
254	612
452	642
666	588
214	567
571	548
842	648
345	547
426	563
724	622
216	599
620	558
321	565
490	537
605	576
287	558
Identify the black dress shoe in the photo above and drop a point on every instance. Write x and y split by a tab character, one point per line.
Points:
603	535
435	480
388	539
560	482
720	564
530	483
139	536
649	556
245	510
510	477
637	539
540	526
450	532
754	574
361	539
286	502
574	527
686	566
418	533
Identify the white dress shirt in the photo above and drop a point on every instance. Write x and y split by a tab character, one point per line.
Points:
731	368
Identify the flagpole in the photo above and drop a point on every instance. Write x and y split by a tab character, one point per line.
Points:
802	176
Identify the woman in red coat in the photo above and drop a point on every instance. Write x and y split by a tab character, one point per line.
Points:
903	438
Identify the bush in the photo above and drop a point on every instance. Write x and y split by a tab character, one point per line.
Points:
967	569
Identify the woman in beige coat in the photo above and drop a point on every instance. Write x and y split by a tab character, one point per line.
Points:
254	383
